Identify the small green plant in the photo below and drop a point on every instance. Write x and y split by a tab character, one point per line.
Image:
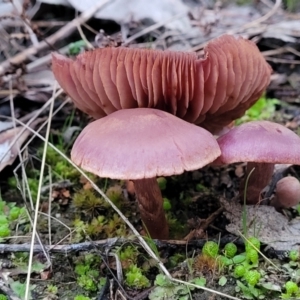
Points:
52	289
4	231
292	290
167	204
230	250
210	249
77	47
87	203
3	297
128	255
239	271
10	216
252	256
134	275
252	277
201	188
87	272
114	193
291	5
263	109
162	183
298	206
175	259
252	241
81	297
61	169
135	278
20	288
294	255
165	289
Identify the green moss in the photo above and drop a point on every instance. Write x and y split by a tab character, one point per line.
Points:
263	109
135	278
114	193
162	183
81	297
128	255
87	270
85	201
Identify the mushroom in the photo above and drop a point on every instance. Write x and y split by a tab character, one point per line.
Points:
287	193
140	144
262	144
211	91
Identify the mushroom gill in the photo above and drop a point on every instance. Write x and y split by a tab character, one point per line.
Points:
210	91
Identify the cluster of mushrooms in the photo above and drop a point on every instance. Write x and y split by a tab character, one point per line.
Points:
156	113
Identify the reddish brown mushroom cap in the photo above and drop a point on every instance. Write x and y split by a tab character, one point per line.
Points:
262	144
287	193
260	141
219	87
143	143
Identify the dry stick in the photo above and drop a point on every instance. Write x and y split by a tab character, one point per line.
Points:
19	8
34	231
280	51
264	18
105	243
19	146
153	27
47	58
52	39
138	236
247	25
282	60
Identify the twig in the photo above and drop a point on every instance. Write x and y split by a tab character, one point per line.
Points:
153	27
51	40
265	17
108	243
283	61
38	198
253	23
83	37
19	8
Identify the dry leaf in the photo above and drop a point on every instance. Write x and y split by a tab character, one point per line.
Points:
9	153
265	223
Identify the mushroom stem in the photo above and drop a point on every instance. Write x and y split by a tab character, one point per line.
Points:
150	203
258	180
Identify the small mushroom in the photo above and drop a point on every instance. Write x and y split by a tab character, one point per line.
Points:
287	193
211	91
140	144
262	144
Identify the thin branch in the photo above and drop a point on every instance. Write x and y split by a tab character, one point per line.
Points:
153	27
51	40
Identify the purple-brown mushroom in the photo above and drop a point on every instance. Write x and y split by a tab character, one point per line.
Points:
140	144
287	193
211	91
261	144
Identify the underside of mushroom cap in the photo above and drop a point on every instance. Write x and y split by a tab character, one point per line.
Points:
143	143
212	91
259	141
